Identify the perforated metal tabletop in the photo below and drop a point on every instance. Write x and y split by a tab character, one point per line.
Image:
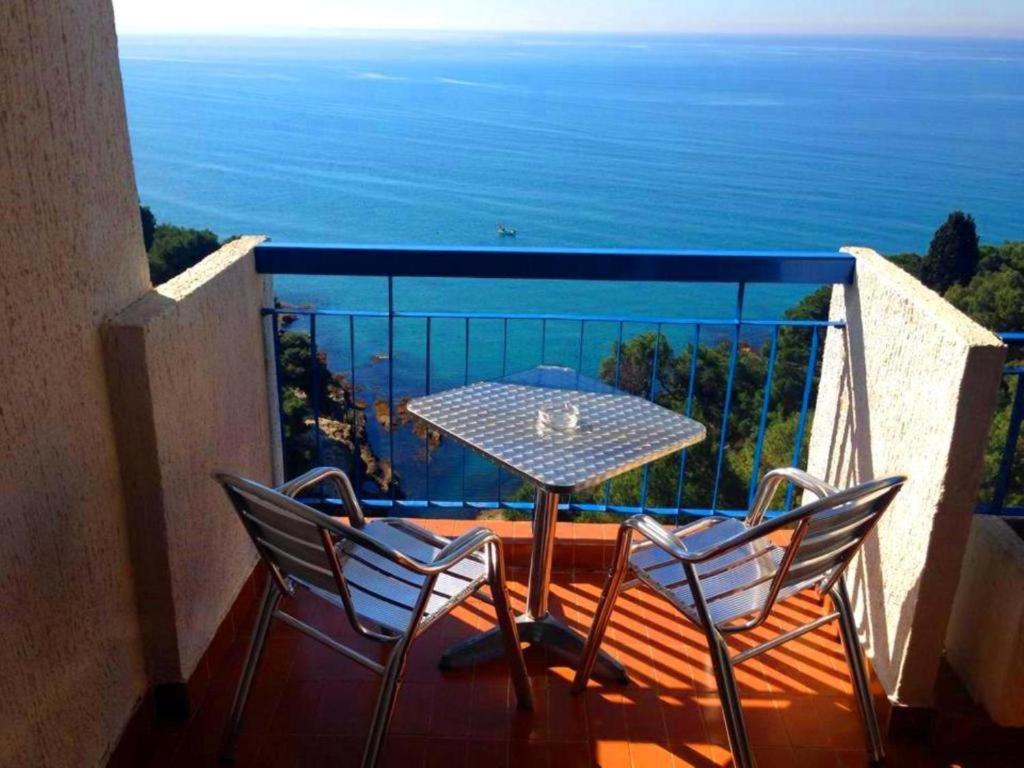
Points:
616	432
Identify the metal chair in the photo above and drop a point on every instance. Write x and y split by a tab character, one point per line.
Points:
392	579
726	576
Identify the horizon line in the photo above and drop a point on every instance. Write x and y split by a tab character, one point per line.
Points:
342	32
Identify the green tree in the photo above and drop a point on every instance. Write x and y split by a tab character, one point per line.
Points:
175	249
985	282
148	226
994	299
711	373
795	349
630	367
908	262
952	257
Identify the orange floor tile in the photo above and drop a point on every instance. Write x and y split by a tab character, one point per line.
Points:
310	707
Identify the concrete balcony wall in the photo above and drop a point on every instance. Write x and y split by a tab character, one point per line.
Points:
985	639
186	364
908	388
71	255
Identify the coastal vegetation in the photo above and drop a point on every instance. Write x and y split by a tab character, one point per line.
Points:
340	435
172	250
985	282
696	487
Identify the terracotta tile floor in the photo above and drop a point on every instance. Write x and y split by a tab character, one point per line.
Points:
310	707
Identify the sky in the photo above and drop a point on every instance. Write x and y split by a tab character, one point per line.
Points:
986	18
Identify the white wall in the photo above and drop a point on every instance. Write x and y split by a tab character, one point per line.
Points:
985	639
909	388
187	364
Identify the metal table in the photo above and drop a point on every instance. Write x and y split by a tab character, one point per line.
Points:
617	432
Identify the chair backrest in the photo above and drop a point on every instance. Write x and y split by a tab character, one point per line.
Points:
294	540
825	535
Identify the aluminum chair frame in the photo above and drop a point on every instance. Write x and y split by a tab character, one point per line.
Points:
480	545
864	504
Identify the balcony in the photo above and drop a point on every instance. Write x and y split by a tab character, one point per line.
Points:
129	585
357	366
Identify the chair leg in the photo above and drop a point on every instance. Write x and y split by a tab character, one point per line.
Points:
271	597
728	694
386	699
606	604
858	670
507	624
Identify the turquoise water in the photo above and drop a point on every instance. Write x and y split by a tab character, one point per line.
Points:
586	141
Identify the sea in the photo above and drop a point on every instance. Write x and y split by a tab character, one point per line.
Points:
580	140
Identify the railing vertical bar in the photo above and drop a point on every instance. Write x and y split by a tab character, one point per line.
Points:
763	423
805	404
504	348
426	431
694	355
465	380
651	393
543	341
618	373
391	387
314	373
733	355
579	361
653	389
426	366
357	459
1010	448
504	372
579	371
276	328
618	357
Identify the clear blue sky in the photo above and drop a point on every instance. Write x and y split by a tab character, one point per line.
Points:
990	18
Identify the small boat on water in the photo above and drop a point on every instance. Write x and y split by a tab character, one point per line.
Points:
504	231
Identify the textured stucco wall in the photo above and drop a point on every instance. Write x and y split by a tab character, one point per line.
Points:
909	388
71	254
985	639
187	366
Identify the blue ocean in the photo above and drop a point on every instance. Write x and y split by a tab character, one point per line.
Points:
688	142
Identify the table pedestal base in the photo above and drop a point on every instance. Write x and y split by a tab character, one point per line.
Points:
548	631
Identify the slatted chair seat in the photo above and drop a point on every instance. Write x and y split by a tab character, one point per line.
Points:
735	584
726	576
385	594
391	579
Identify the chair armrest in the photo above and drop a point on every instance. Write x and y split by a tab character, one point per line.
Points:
651	530
461	548
771	481
452	553
337	478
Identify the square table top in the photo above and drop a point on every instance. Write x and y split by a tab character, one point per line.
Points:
617	432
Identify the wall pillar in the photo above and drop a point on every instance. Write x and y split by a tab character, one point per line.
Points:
71	255
908	388
186	366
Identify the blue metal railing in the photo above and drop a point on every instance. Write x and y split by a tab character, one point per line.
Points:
1007	495
492	329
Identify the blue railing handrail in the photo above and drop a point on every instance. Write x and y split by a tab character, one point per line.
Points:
997	504
631	264
553	317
